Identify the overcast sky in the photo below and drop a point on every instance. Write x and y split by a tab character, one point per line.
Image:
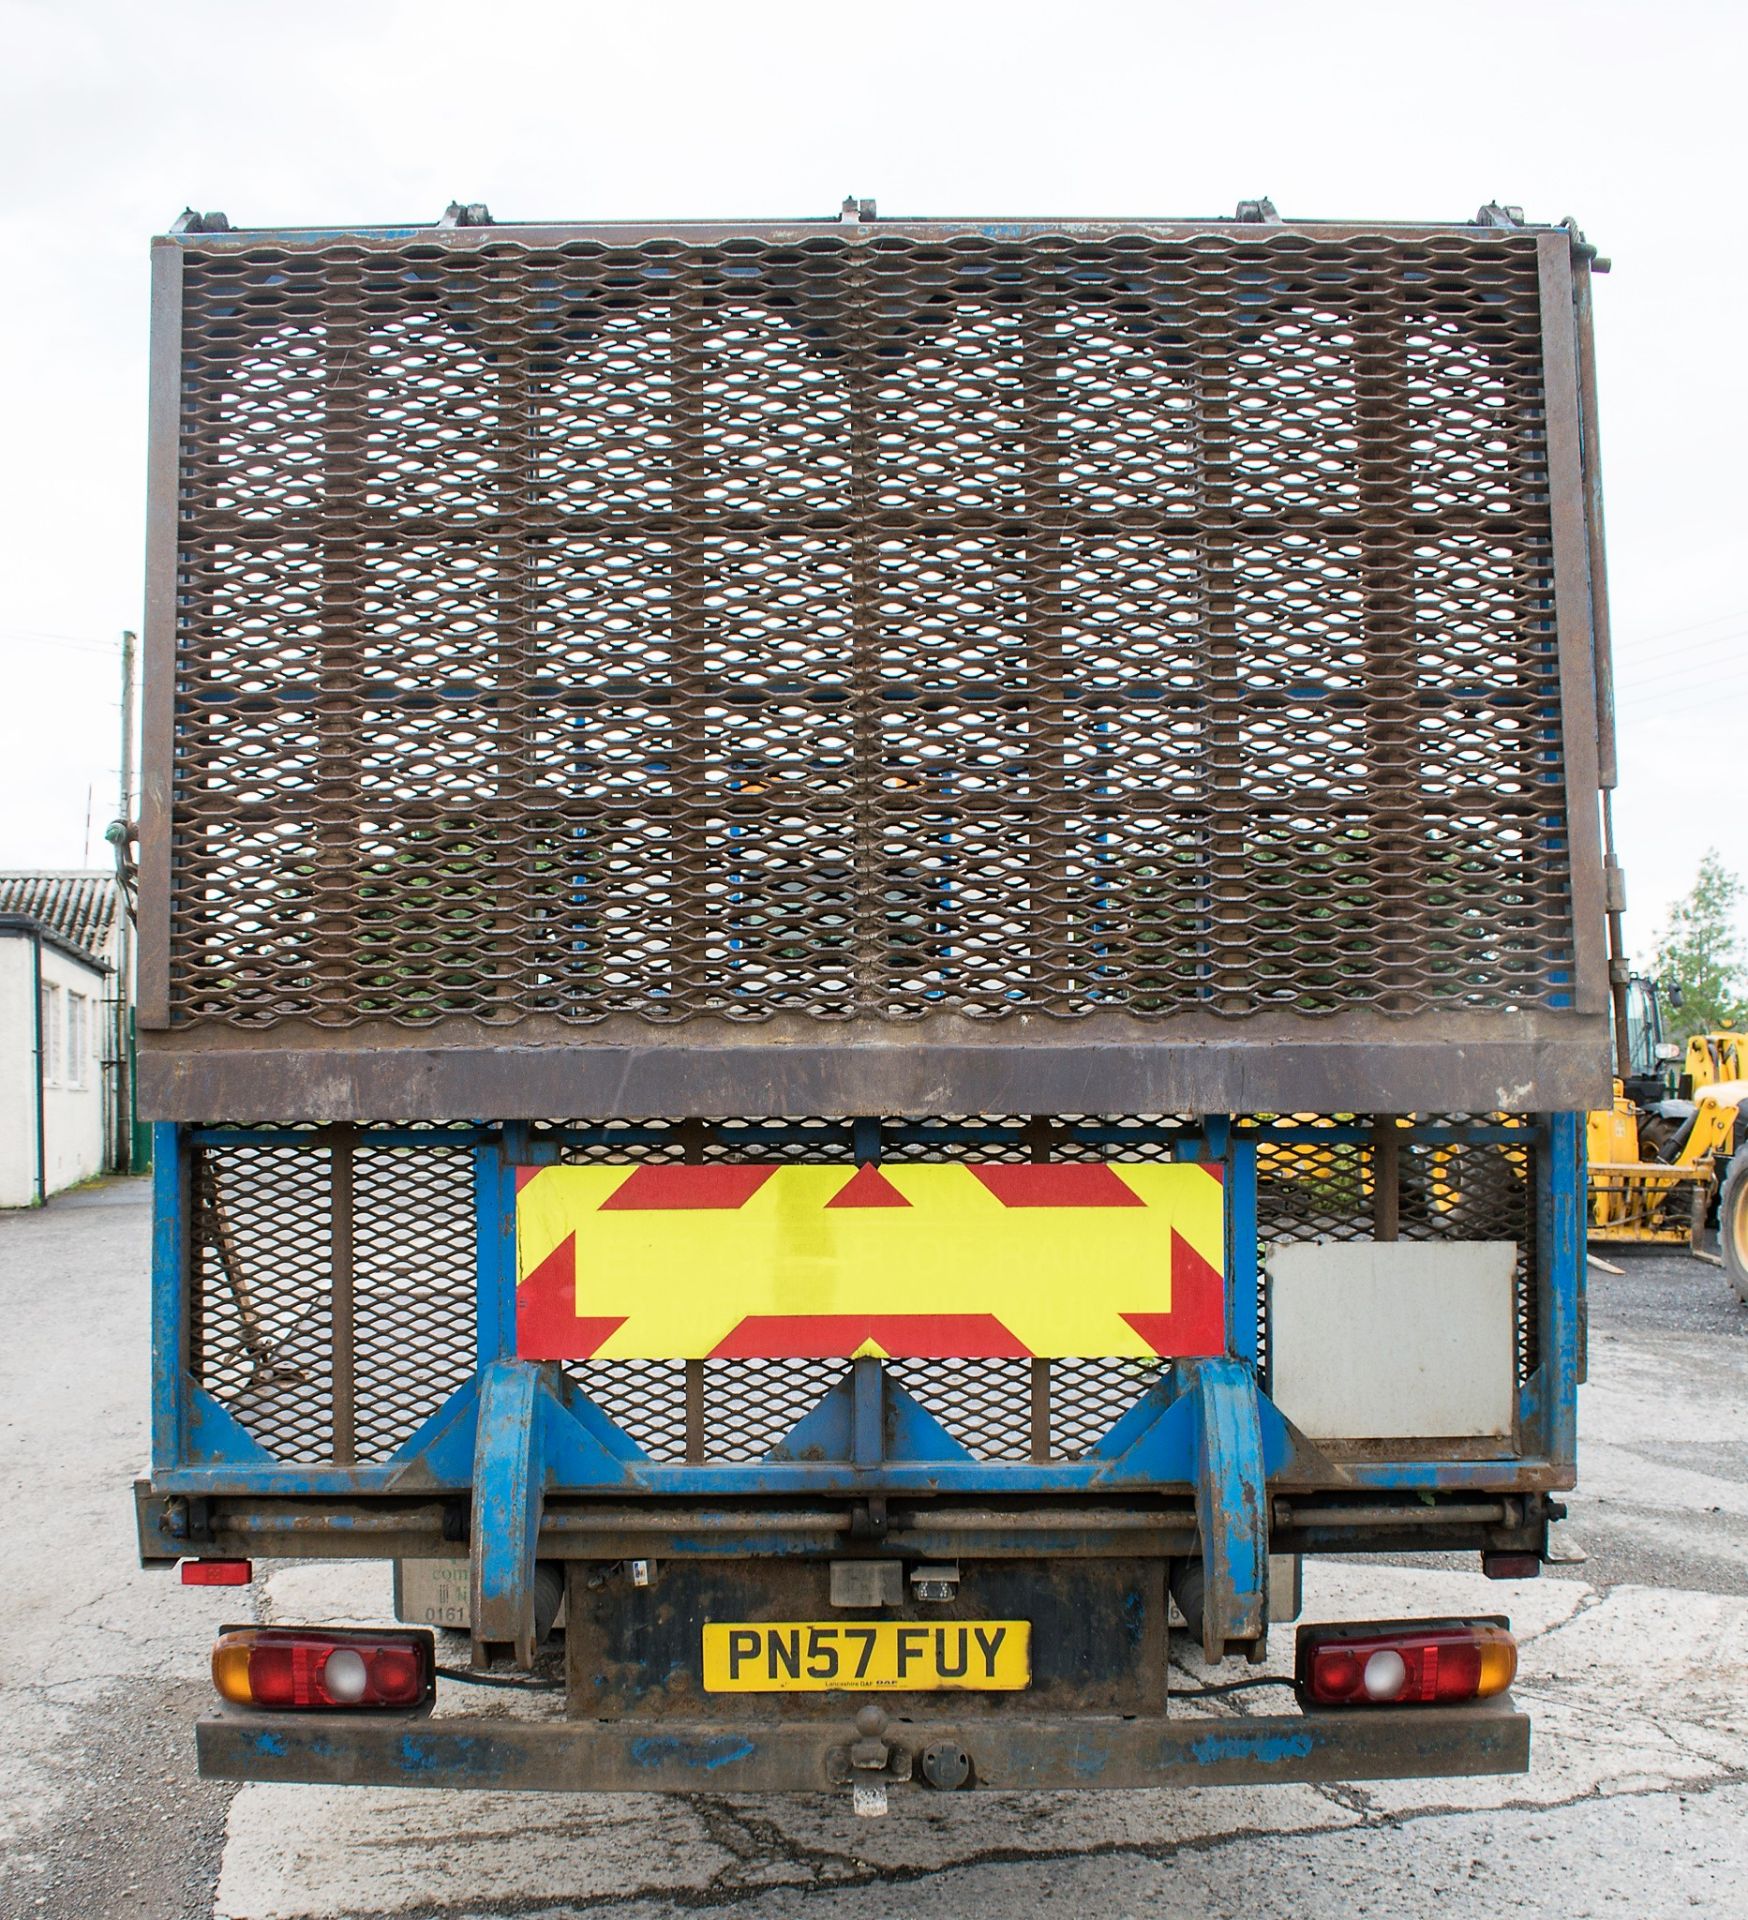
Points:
113	117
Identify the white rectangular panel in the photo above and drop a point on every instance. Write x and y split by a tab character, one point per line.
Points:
1393	1340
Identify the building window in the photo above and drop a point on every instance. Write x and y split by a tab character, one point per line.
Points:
78	1038
49	1033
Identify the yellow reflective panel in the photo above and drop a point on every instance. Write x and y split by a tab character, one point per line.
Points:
654	1262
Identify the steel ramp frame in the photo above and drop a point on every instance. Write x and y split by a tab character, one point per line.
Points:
519	1431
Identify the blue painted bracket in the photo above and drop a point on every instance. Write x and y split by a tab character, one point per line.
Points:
1158	1441
1231	1501
869	1420
439	1452
214	1437
172	1206
1208	1423
532	1428
508	1492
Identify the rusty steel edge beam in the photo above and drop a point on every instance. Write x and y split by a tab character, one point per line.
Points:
340	1079
561	1526
1036	1753
236	1539
1480	1513
158	658
1053	1544
1602	644
389	1527
623	233
383	1527
1580	720
1361	1027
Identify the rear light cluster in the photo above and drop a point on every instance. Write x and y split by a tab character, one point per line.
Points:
324	1667
1404	1663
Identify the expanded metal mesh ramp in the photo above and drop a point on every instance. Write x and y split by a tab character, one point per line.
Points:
861	668
333	1275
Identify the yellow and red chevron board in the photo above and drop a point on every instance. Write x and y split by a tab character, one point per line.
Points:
936	1261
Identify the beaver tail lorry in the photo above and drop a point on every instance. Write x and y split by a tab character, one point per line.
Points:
864	945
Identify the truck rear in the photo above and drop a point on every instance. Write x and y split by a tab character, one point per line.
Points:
868	947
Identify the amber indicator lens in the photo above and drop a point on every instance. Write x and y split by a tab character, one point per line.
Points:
312	1668
1404	1663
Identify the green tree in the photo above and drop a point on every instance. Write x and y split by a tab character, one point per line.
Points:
1700	951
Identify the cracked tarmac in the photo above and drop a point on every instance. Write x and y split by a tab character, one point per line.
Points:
1635	1671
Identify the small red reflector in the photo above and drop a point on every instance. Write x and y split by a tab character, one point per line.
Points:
323	1668
217	1573
1404	1662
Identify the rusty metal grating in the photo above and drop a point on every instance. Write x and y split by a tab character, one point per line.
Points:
744	1407
1009	1138
1089	1397
740	1409
274	1264
414	1288
1444	1190
878	626
261	1338
986	1405
749	1405
647	1398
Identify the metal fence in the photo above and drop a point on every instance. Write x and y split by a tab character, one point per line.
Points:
911	626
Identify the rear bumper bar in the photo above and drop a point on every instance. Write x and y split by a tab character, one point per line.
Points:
657	1757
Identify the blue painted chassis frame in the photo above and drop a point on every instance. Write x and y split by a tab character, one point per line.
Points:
517	1432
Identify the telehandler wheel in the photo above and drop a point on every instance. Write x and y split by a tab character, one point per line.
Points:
1733	1223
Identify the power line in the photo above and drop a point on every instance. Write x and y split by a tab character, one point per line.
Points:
1689	671
1721	645
1687	711
74	642
1675	699
1683	707
1733	657
1705	676
1693	626
1709	643
1675	684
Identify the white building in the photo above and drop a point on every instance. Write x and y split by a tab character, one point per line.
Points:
57	1031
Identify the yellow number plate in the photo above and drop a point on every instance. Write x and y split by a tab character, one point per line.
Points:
806	1656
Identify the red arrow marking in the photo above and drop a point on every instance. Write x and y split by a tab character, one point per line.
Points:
867	1187
548	1326
696	1189
1074	1184
1195	1328
914	1336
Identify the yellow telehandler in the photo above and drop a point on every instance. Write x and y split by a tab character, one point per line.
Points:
1669	1159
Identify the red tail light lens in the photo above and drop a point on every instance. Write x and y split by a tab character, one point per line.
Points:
312	1667
1404	1663
217	1573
